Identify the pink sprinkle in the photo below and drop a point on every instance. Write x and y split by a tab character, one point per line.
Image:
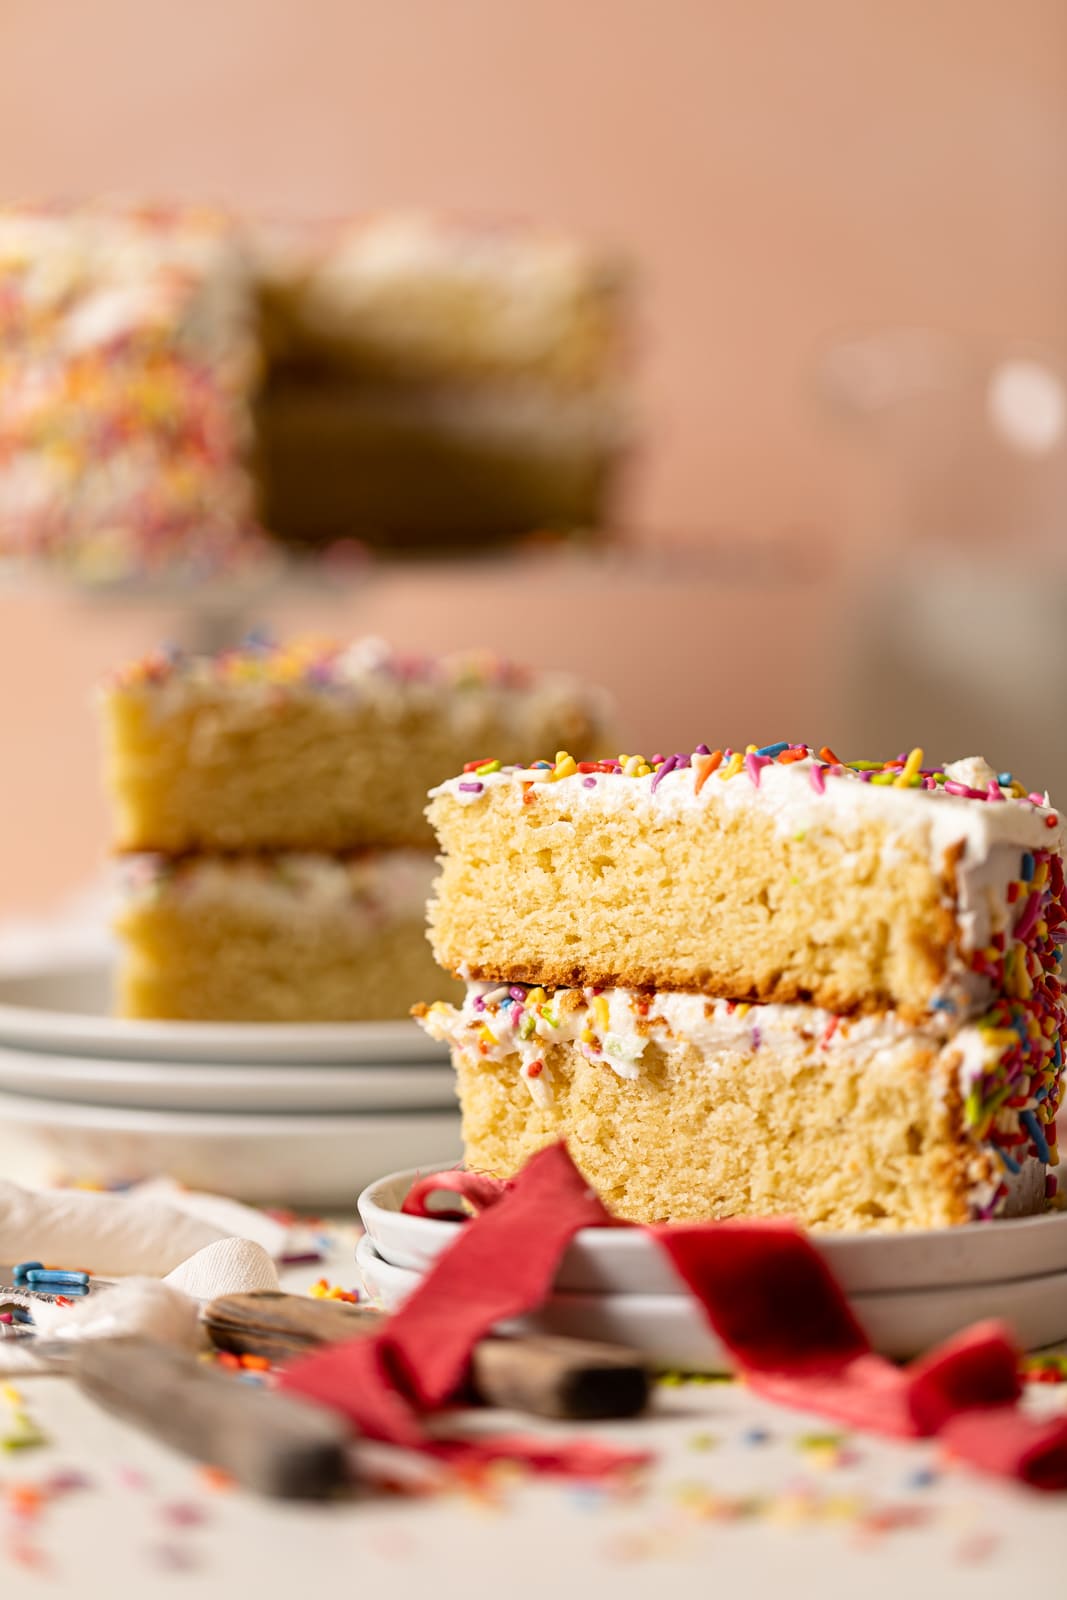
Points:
818	782
951	787
470	788
754	765
588	783
183	1514
993	792
1028	919
1036	799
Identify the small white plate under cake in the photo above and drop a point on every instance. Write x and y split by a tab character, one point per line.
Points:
670	1330
625	1261
68	1010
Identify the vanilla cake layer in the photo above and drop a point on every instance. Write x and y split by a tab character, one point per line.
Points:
313	746
678	1107
753	877
285	938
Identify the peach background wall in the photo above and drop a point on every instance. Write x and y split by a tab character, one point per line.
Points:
781	169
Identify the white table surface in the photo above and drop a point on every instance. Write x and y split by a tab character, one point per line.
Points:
735	1503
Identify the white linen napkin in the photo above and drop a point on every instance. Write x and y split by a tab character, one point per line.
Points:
169	1262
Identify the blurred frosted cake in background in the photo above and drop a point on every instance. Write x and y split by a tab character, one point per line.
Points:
173	383
438	382
759	982
269	804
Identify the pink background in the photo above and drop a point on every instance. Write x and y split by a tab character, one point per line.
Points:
780	171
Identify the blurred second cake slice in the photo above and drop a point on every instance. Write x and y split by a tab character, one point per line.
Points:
268	806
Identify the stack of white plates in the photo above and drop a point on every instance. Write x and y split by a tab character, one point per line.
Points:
909	1290
297	1114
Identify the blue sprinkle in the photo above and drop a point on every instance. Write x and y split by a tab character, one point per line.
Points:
774	749
1009	1161
1057	1054
25	1267
1027	870
47	1278
755	1436
1004	778
922	1479
545	766
1036	1132
943	1005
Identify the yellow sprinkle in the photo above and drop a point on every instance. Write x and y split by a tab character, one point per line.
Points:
751	749
632	766
11	1394
743	1009
643	770
600	1011
1040	877
565	767
1001	1038
536	997
733	766
910	769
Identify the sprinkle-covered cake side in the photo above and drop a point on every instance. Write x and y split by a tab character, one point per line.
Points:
127	366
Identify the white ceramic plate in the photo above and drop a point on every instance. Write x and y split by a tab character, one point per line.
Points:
182	1086
311	1161
68	1010
625	1261
670	1329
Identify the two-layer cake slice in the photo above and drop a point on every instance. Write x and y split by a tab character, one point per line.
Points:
269	801
763	982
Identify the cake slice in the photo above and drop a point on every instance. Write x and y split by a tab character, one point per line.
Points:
314	746
283	938
770	875
675	1106
759	983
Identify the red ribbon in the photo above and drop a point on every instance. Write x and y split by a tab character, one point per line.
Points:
766	1292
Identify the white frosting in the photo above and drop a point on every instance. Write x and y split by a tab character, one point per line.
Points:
378	886
366	673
